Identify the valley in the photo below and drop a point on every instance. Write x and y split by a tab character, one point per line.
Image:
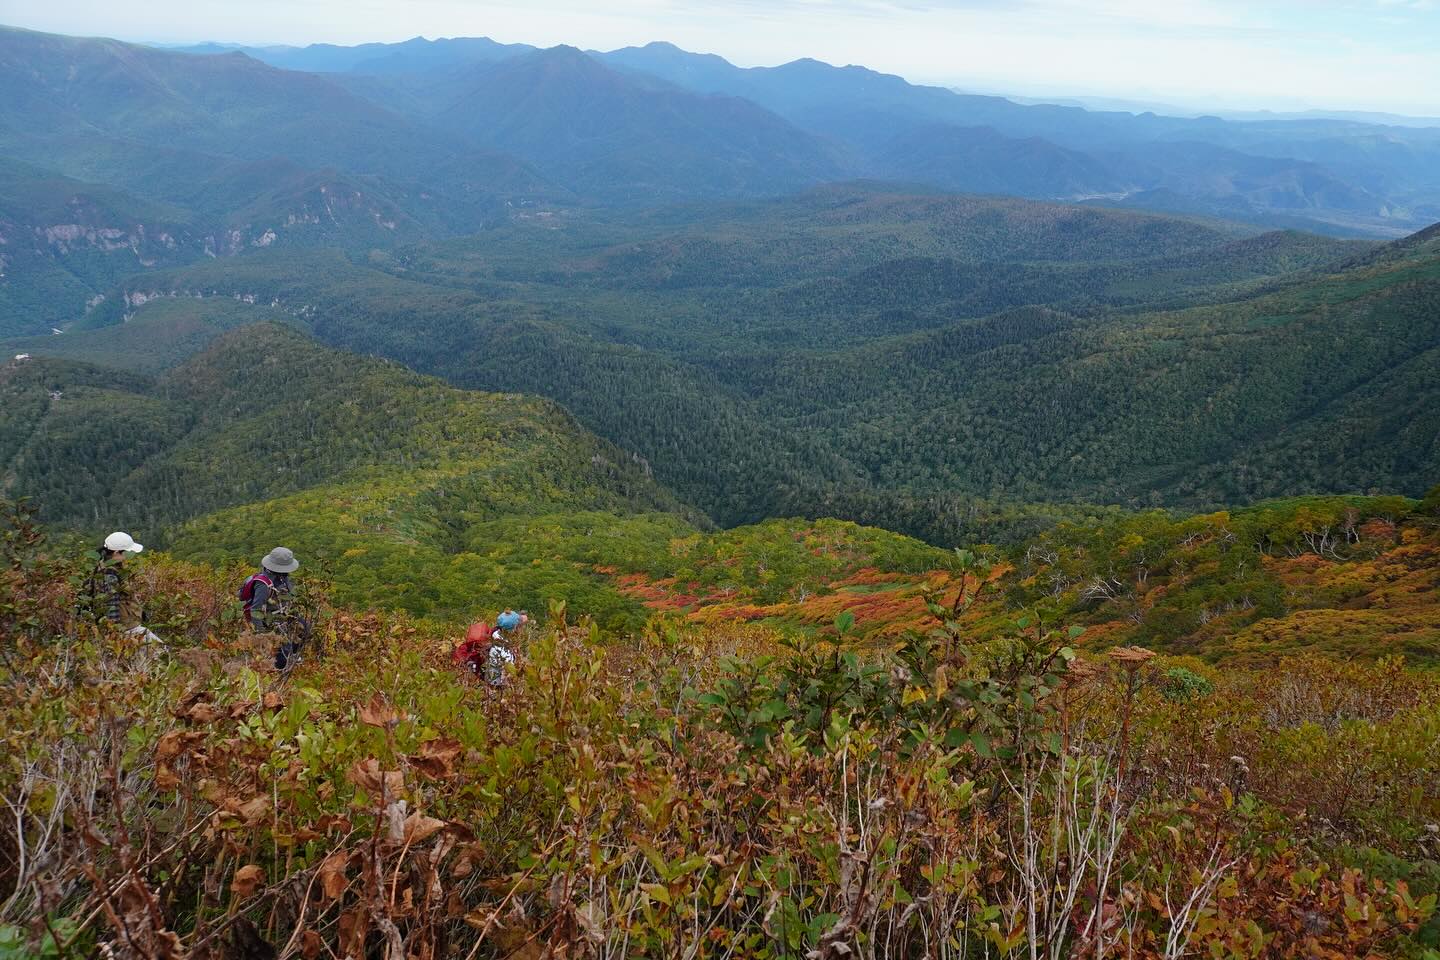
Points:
949	525
875	356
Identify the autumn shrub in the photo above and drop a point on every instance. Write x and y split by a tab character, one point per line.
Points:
937	797
1181	683
1347	748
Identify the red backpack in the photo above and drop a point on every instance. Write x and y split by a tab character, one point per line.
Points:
474	649
247	591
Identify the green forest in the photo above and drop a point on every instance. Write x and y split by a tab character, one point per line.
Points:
924	363
406	494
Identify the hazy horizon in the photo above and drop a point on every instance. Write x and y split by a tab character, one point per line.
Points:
1358	55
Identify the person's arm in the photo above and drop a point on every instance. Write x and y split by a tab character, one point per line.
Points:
112	594
259	597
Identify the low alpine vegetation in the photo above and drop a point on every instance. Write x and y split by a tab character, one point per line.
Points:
694	791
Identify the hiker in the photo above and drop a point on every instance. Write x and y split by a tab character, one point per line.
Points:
107	596
510	620
484	654
267	596
473	652
499	658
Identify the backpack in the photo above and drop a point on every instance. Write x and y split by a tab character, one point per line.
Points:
247	591
474	650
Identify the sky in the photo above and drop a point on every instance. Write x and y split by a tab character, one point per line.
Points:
1223	54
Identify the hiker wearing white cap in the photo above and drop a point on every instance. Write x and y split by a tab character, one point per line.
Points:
107	596
266	596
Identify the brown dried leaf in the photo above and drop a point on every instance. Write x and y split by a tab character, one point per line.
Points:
555	894
395	822
378	713
254	810
436	758
367	775
202	713
165	778
517	941
332	875
419	828
273	701
352	932
482	918
192	697
247	880
311	946
238	710
169	745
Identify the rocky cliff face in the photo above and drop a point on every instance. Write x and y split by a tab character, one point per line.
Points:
61	259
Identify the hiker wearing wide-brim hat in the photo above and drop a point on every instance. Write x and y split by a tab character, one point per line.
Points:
266	598
280	560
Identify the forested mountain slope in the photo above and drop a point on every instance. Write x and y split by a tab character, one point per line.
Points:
64	243
265	412
1325	385
892	358
604	134
66	96
157	335
413	495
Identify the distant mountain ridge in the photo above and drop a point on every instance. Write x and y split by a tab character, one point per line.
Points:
588	126
655	130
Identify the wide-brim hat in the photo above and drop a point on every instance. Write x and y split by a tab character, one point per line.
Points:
281	560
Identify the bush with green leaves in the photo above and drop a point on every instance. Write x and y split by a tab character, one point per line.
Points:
1181	684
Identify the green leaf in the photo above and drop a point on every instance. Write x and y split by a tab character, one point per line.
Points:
776	708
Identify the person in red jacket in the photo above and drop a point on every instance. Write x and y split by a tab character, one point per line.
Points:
473	652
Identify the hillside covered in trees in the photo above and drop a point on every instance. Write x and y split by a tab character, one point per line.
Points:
264	412
411	495
923	363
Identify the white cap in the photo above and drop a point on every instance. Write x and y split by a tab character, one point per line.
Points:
122	542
